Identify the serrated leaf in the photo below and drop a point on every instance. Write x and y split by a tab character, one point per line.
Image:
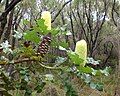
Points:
54	32
105	71
42	26
85	69
99	86
87	78
92	85
63	44
32	36
75	58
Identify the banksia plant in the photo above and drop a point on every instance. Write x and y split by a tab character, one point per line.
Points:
81	50
47	17
45	44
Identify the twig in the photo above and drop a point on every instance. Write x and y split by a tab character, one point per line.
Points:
28	60
9	8
112	13
60	10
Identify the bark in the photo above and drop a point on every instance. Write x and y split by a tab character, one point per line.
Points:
8	31
72	29
3	17
60	10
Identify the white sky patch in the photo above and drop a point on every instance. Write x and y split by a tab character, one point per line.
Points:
26	15
38	5
118	1
100	17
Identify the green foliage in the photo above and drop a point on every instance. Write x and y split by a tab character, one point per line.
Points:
32	36
68	87
40	87
70	91
85	69
32	71
34	33
6	83
75	58
98	86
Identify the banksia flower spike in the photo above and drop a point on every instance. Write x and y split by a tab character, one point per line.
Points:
81	50
47	17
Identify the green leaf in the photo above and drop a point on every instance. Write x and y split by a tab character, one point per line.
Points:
85	69
26	22
63	44
34	93
37	29
27	51
75	58
22	72
42	26
86	78
98	73
54	32
99	86
40	87
92	85
32	36
105	71
70	91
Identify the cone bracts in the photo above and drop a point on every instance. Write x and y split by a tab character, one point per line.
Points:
44	45
81	50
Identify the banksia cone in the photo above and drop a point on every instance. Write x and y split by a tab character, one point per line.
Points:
81	50
44	45
47	17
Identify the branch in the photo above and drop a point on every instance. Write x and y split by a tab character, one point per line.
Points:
89	21
30	60
6	5
112	12
72	26
9	26
81	24
60	10
0	1
9	8
110	53
100	26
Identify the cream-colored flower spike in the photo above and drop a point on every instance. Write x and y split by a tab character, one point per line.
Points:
81	50
47	17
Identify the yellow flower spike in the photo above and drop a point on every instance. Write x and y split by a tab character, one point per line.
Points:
47	17
81	50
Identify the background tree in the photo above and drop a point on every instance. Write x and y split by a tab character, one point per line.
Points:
96	21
